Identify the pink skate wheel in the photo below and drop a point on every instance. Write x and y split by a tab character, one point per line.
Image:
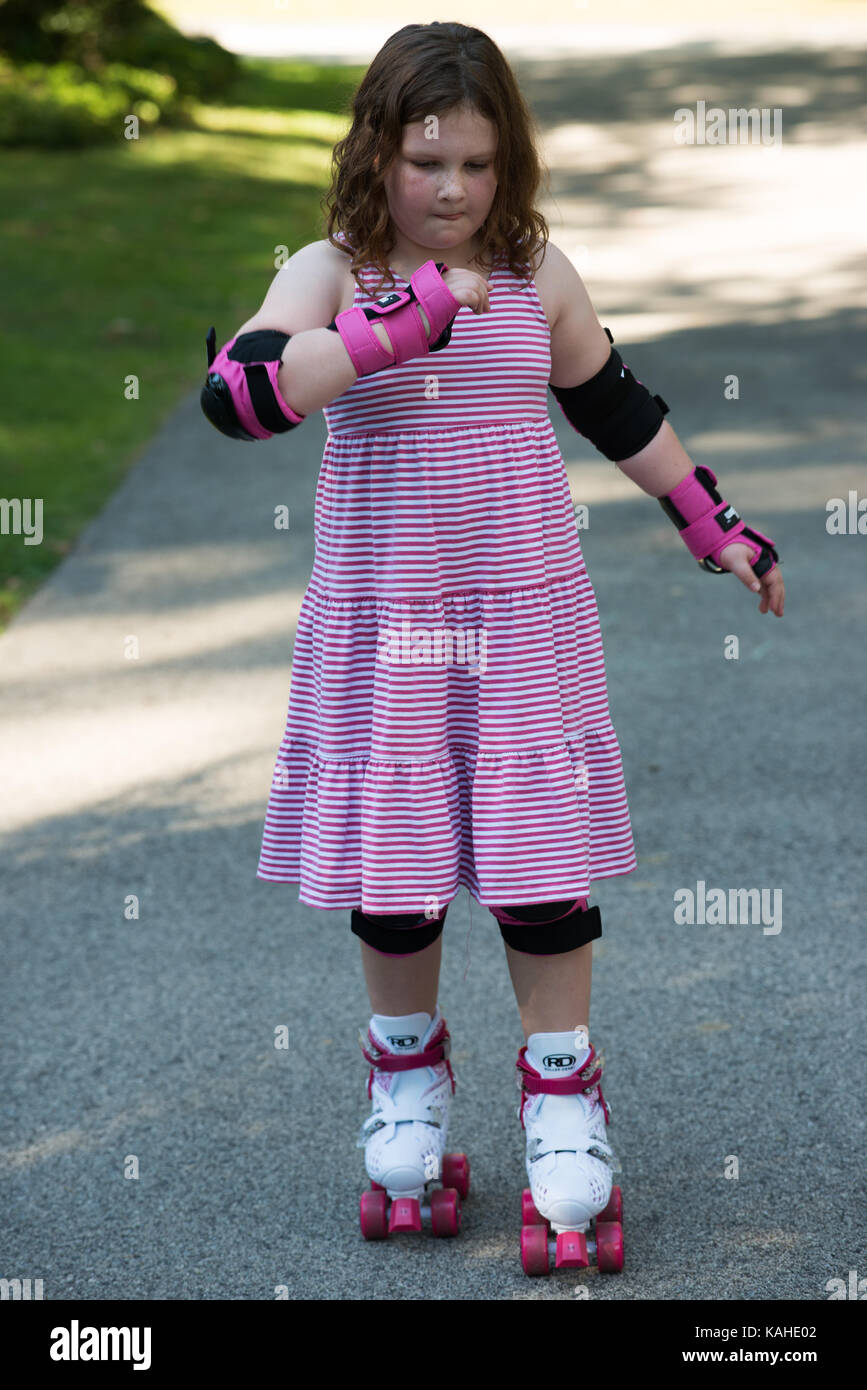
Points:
571	1250
530	1215
374	1215
609	1247
614	1210
456	1174
534	1250
404	1214
445	1212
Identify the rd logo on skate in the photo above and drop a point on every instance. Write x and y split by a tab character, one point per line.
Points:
559	1059
404	1040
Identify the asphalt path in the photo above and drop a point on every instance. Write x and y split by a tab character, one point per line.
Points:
156	1144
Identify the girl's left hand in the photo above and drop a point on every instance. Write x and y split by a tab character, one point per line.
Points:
736	559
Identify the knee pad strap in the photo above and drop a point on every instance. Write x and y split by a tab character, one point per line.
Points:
397	933
549	929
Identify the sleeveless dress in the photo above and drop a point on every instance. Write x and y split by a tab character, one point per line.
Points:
448	715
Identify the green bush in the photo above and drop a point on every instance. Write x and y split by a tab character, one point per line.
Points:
64	106
199	66
79	66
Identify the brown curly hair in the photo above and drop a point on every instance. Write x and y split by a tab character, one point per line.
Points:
423	69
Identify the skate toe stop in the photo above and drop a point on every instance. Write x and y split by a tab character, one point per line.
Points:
572	1250
405	1215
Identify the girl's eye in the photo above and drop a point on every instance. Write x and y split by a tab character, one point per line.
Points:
427	163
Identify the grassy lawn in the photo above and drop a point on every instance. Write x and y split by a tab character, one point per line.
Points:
117	260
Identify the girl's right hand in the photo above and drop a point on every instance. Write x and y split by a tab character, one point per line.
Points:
468	288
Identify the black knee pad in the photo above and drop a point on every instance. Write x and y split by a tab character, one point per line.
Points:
397	933
549	929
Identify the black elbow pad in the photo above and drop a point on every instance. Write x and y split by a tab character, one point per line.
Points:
613	410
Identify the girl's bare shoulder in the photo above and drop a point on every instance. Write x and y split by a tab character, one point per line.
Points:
306	292
551	268
338	263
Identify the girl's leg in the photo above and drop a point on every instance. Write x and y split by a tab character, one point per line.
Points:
553	992
400	985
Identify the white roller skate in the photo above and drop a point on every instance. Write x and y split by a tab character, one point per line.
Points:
411	1084
570	1202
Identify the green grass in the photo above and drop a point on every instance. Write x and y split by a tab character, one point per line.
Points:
116	261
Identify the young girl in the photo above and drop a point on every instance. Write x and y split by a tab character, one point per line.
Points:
448	719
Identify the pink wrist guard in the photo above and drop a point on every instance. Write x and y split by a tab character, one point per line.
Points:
400	310
707	524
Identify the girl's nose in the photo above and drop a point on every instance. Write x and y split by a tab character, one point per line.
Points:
451	187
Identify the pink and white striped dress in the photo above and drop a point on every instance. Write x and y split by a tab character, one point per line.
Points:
448	715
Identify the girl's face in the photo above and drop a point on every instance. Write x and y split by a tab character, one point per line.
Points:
450	174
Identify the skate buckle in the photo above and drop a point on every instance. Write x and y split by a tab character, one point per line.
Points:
582	1082
431	1056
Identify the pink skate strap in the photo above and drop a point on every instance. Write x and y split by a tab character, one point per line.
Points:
533	1084
235	374
712	523
400	311
437	1050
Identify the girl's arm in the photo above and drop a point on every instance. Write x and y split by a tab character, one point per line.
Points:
580	348
303	297
622	420
322	359
286	362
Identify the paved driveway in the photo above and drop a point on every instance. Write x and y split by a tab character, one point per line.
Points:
144	694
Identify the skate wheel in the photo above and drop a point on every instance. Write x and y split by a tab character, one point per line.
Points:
445	1212
609	1247
534	1250
530	1215
374	1215
614	1210
456	1174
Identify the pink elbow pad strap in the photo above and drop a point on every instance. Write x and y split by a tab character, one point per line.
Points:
240	396
398	310
707	524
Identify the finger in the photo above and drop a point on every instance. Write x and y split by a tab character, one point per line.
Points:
778	593
746	575
773	593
